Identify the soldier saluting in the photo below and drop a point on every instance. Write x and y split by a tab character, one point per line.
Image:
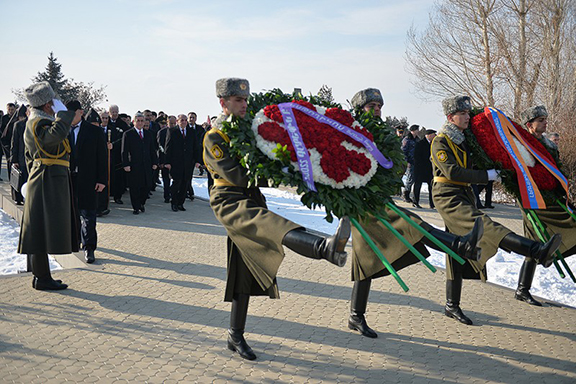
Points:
49	224
456	203
255	234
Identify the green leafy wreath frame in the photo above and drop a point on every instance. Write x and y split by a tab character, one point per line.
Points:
356	203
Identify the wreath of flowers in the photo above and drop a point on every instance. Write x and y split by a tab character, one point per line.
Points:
349	181
488	154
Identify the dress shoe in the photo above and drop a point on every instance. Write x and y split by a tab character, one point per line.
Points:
166	200
118	201
480	206
416	205
174	207
103	213
135	212
48	285
89	256
142	209
237	343
181	208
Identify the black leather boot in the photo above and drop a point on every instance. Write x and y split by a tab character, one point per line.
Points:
465	246
236	341
525	282
358	304
453	293
42	280
542	253
316	247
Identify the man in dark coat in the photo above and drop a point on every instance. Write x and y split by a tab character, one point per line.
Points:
8	120
554	217
49	224
181	158
17	155
165	172
199	132
118	178
456	203
88	170
140	160
255	234
423	168
408	145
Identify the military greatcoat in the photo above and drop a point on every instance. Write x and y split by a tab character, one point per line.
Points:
255	234
365	263
49	224
455	200
554	217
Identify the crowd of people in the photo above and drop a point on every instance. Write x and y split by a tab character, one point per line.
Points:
113	153
76	161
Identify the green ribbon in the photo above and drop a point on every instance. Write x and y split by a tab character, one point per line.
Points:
379	254
427	234
407	244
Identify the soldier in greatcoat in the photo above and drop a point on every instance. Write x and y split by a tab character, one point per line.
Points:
255	234
366	265
554	217
456	203
49	224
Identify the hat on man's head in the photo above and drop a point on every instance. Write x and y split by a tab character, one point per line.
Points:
456	104
532	113
73	105
414	127
232	86
429	131
93	116
365	96
39	94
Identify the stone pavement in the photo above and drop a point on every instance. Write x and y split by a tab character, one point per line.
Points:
151	310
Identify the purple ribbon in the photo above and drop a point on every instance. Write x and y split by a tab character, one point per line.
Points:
302	153
298	143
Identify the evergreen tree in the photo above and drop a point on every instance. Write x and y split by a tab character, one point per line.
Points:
53	75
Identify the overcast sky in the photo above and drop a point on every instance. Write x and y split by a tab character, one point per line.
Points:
166	55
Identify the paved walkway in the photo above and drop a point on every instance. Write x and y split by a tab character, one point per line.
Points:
151	310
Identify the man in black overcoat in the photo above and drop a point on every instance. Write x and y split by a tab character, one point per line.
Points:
88	170
423	168
17	151
182	154
165	172
140	160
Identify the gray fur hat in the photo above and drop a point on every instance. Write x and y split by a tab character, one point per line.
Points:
39	94
456	104
232	86
532	113
365	96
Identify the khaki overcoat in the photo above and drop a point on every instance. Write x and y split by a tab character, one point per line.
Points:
455	201
366	264
255	234
49	224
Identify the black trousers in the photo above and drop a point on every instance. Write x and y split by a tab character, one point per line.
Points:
166	182
117	181
88	234
180	184
138	188
418	187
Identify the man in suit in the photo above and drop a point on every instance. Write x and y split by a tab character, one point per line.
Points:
181	157
423	168
165	172
88	170
140	160
154	128
17	156
199	132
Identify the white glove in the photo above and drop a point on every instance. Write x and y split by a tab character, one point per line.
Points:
494	175
58	106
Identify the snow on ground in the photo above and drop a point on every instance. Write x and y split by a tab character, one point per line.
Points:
502	269
10	261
